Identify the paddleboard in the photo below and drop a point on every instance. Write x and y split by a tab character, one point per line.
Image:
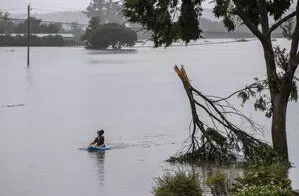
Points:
98	148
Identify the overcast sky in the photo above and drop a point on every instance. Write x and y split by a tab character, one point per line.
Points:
19	6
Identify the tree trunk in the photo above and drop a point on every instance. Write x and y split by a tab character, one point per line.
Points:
279	102
278	129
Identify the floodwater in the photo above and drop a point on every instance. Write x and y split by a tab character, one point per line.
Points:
69	93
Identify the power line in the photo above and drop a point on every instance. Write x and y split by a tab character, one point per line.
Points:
52	6
135	29
53	10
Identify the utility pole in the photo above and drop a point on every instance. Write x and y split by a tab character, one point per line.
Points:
28	36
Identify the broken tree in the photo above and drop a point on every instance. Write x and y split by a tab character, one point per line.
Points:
220	141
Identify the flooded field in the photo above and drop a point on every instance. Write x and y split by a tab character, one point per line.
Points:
136	97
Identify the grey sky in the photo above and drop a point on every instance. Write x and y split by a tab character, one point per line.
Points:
43	5
19	6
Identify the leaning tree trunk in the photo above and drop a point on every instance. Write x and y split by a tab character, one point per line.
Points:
278	129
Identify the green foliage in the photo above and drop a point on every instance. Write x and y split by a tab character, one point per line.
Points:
267	190
110	34
6	26
36	26
162	18
281	58
92	29
261	177
107	10
256	90
266	178
170	20
201	157
226	9
177	184
294	92
282	61
272	177
8	40
218	184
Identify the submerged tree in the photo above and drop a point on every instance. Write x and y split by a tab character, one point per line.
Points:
114	35
172	20
109	35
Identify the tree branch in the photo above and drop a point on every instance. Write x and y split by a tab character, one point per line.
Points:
251	86
216	145
251	26
264	20
295	40
254	29
294	45
281	21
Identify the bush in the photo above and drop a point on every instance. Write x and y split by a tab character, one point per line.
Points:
177	184
262	178
271	180
267	190
264	181
8	40
218	184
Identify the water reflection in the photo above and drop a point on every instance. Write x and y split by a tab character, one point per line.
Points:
205	172
99	158
113	52
28	78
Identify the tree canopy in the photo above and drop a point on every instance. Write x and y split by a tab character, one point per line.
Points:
6	25
93	26
171	20
109	35
107	11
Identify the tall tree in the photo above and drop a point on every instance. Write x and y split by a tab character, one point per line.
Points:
91	30
6	25
170	20
107	10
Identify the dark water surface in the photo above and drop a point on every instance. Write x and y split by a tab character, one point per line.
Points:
69	93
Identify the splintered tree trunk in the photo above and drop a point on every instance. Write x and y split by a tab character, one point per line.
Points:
278	129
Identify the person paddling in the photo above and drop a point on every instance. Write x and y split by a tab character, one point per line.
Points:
99	140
